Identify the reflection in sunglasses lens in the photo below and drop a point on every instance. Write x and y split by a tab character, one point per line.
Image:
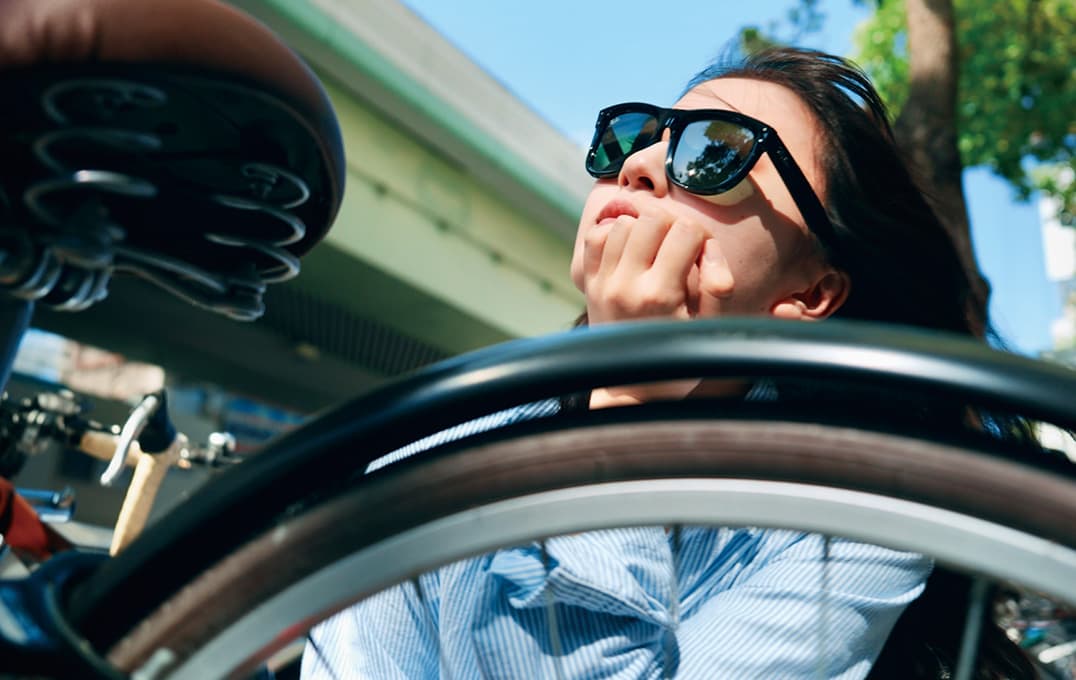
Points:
624	135
710	152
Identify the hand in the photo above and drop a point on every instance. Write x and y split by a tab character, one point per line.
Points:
652	266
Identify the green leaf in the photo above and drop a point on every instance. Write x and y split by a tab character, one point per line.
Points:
1017	97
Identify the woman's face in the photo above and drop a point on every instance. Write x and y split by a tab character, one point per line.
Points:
768	253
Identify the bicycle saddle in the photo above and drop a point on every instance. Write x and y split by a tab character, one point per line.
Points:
179	140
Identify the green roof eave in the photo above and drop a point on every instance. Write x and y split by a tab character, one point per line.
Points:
544	186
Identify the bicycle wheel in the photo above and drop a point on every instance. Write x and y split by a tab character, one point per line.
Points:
874	487
781	472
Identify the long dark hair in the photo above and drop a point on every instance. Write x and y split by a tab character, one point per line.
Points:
903	265
904	269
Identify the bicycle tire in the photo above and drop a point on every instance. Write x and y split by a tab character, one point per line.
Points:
1030	537
329	456
332	449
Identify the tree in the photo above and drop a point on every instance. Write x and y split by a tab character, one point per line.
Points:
972	83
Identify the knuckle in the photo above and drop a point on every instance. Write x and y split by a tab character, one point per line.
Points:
684	229
625	298
619	301
663	302
657	297
654	223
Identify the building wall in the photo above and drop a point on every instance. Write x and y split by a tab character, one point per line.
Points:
455	231
461	203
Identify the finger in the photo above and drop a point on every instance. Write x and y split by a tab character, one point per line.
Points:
645	240
715	276
679	251
593	246
614	243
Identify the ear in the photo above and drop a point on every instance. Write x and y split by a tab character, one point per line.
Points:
821	298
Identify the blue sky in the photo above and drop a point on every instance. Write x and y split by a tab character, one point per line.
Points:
568	58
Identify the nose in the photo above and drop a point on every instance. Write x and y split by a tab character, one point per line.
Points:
644	170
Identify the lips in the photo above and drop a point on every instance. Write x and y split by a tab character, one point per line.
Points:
616	208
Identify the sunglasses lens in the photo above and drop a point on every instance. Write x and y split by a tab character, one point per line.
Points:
622	136
710	154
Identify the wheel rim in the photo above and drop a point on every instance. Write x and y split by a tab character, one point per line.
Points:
466	524
961	541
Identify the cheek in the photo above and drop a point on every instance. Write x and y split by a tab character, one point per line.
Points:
755	266
737	194
577	266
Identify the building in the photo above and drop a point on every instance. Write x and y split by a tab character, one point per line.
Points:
455	231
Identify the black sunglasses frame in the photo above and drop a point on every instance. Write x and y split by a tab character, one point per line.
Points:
766	141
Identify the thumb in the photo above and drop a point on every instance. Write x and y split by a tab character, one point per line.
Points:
715	277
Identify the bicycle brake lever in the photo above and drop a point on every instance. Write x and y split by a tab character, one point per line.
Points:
136	422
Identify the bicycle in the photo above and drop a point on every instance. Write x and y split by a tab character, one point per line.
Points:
188	601
147	442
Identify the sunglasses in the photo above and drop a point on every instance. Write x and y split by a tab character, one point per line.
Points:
710	152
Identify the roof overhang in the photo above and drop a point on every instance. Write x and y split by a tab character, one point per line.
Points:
385	55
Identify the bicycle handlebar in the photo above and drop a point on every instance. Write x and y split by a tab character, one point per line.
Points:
148	442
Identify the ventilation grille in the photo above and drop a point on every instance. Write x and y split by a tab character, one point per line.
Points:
333	329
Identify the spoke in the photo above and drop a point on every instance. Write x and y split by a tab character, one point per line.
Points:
675	536
321	655
823	611
551	619
669	639
431	627
973	626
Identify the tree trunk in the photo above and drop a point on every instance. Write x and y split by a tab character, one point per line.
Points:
927	129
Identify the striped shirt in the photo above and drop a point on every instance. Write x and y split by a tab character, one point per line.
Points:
730	603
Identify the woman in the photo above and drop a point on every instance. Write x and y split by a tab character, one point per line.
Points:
701	210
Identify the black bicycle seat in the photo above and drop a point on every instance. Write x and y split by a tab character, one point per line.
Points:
180	140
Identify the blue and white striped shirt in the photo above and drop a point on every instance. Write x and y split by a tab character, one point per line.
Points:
749	603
